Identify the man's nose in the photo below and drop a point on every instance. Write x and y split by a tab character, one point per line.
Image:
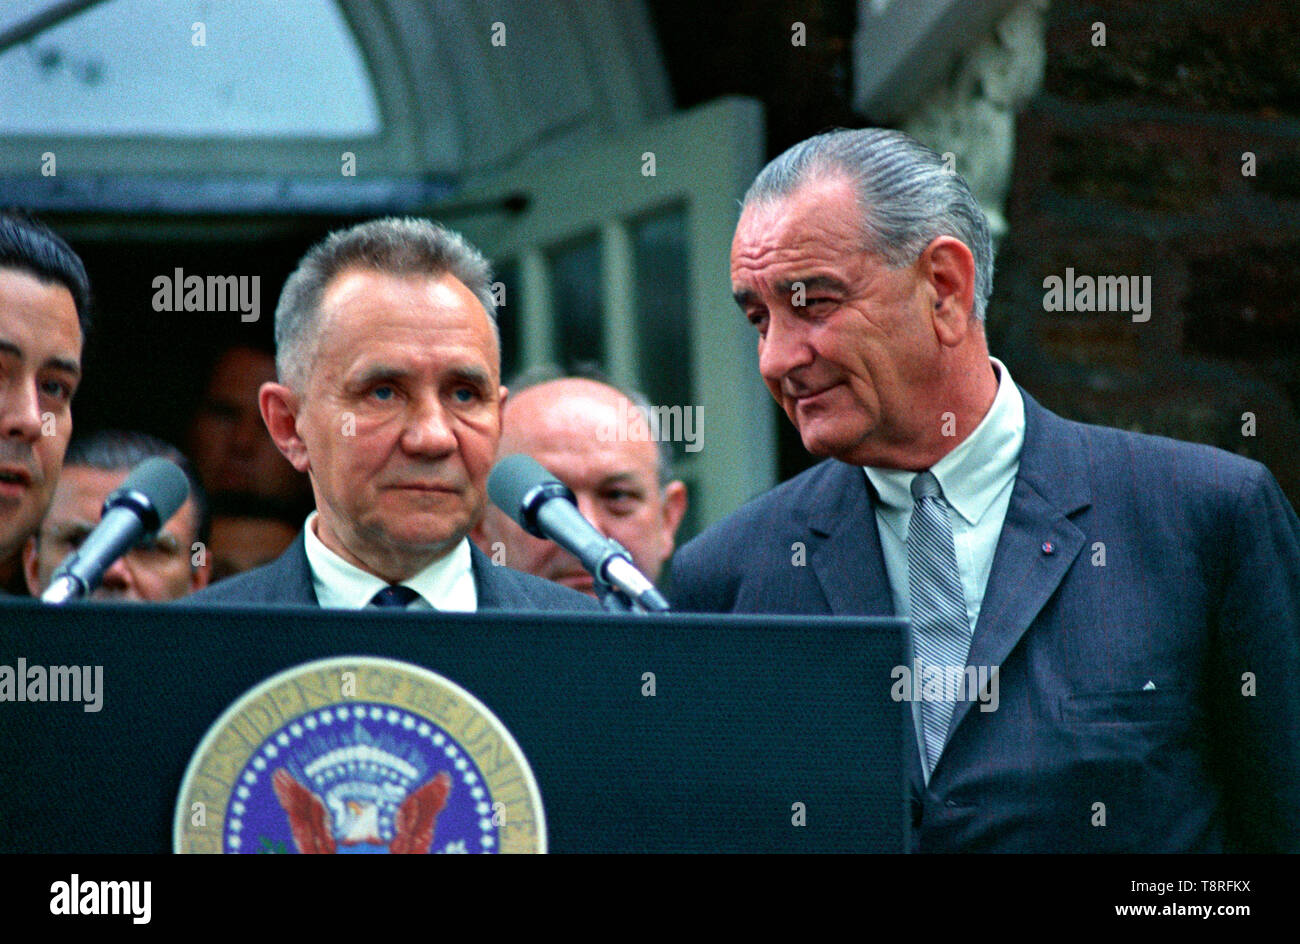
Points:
20	411
118	576
428	429
591	510
784	349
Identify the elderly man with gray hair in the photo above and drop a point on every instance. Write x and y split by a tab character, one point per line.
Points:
389	398
1130	603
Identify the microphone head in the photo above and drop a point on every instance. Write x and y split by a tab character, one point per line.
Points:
519	484
156	489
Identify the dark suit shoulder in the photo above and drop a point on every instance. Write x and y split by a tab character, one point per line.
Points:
1199	482
530	592
757	537
258	586
286	581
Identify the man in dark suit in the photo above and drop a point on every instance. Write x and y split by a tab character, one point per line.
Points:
1105	627
389	398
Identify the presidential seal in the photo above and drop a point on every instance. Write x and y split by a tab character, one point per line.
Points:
358	755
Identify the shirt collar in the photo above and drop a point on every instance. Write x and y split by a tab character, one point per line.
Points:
447	583
975	472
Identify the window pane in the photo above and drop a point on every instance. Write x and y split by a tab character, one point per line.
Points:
662	323
507	273
575	283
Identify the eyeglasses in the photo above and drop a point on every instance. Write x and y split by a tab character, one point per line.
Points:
158	549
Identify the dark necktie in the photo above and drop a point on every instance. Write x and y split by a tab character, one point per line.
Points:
395	596
940	628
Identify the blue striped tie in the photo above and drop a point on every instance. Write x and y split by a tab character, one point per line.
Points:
940	630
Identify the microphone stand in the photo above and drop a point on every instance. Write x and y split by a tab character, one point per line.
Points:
612	598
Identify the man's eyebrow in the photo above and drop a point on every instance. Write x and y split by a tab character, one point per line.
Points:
473	375
621	478
814	283
62	363
374	373
57	363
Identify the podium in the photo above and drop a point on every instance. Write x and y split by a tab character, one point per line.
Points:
673	733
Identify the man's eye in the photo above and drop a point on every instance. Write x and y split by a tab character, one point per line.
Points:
56	388
465	394
72	539
383	393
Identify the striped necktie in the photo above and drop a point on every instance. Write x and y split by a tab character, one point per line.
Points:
940	630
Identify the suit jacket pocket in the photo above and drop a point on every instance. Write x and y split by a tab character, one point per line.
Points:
1131	706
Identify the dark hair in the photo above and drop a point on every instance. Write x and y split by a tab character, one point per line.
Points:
114	449
31	246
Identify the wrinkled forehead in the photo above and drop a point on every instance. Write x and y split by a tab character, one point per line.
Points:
364	310
819	210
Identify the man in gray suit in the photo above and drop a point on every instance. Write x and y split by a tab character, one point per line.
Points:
1105	627
389	398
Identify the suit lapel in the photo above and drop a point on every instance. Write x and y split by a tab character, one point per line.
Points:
844	552
1050	485
846	557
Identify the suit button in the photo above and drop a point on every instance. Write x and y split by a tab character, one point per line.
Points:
918	811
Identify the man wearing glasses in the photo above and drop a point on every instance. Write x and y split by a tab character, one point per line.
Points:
171	565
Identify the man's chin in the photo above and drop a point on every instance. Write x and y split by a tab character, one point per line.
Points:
822	443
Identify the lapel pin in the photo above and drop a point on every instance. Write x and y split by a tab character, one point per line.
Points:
1049	547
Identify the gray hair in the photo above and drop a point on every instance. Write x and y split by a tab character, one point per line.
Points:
907	195
113	450
394	245
539	374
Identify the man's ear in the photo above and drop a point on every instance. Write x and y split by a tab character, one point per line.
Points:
201	575
279	406
674	510
32	567
949	268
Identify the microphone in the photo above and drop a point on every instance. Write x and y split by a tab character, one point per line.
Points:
545	508
141	505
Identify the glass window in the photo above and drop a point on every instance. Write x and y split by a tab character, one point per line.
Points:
507	273
579	312
188	69
662	320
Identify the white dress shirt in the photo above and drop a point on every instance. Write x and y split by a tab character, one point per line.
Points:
446	584
976	478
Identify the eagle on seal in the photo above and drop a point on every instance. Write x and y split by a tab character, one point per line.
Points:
357	821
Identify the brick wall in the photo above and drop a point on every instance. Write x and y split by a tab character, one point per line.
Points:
1130	162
